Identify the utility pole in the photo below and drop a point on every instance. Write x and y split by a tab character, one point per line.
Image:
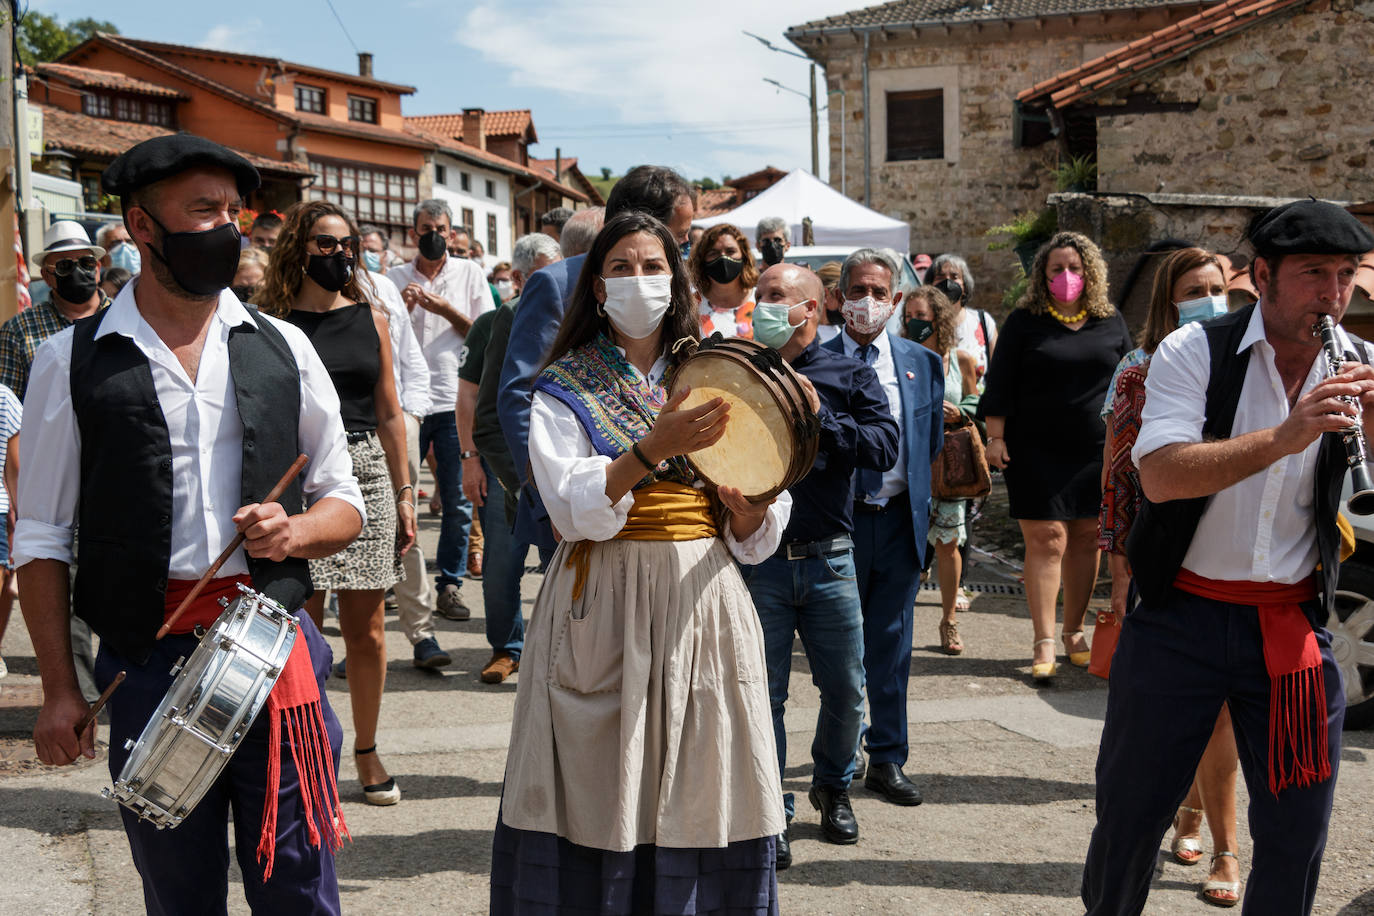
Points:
815	128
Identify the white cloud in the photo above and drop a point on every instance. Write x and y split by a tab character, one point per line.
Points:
242	36
662	70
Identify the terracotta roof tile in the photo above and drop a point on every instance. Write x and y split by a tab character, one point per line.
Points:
715	202
494	123
359	129
102	138
1129	62
87	78
909	13
498	163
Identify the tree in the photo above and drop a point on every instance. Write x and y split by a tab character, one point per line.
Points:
707	184
43	38
605	173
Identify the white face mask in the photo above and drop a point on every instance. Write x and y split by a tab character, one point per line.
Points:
506	288
636	305
867	315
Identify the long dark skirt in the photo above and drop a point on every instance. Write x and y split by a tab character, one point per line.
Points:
534	873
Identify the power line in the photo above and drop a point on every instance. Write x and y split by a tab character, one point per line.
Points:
330	4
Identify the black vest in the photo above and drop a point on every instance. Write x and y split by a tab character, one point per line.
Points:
1162	532
124	517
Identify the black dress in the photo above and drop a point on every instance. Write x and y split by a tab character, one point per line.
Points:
1049	382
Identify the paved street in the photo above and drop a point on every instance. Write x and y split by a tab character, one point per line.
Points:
1007	770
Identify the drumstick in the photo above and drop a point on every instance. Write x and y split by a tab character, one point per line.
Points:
296	467
94	711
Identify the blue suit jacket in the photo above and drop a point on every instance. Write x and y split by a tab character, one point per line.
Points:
921	381
542	303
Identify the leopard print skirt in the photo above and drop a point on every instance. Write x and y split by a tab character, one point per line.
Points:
370	562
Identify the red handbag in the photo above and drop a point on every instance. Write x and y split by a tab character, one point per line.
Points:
1105	635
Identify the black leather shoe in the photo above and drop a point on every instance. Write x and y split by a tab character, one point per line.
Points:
783	858
888	780
837	817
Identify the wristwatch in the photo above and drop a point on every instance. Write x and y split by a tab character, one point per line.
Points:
464	456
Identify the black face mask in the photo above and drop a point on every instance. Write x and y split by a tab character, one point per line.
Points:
723	269
952	290
202	263
330	271
918	329
77	287
433	246
772	251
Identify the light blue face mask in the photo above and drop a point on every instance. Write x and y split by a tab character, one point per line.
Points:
1201	309
125	255
373	260
771	325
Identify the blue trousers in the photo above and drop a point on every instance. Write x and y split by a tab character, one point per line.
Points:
441	431
185	868
817	597
889	574
504	565
1174	666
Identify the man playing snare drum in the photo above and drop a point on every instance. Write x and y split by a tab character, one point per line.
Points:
158	426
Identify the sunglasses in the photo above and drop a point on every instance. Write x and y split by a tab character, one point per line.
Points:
67	266
328	244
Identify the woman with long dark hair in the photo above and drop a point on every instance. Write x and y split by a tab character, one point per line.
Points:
313	281
641	767
722	268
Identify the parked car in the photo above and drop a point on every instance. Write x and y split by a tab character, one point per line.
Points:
1352	622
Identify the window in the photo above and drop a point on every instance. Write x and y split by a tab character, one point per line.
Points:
383	196
491	189
915	125
469	220
129	109
465	181
159	113
440	174
361	108
309	98
491	234
97	105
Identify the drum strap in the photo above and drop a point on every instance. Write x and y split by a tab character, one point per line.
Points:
293	702
1297	691
662	511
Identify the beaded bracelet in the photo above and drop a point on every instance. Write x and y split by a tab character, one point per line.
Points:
640	455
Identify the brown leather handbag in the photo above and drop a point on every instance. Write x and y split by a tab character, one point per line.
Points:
960	470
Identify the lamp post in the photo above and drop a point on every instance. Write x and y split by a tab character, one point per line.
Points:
815	119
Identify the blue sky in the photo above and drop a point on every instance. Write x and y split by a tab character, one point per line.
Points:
613	82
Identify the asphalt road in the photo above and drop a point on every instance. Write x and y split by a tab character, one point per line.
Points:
1006	767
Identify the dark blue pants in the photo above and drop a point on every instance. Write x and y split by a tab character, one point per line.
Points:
504	565
816	597
1174	666
888	562
441	431
185	868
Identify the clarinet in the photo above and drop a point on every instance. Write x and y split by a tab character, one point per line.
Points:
1361	484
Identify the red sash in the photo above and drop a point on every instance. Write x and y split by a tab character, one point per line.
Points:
295	701
1297	691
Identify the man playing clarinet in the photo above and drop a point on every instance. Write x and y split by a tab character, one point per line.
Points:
157	427
1235	555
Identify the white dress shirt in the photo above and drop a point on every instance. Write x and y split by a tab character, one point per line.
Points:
206	435
463	285
571	477
1261	529
407	359
894	478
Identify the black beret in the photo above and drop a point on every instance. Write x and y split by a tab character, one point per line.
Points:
162	157
1310	227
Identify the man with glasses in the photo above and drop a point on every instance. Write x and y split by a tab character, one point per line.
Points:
70	265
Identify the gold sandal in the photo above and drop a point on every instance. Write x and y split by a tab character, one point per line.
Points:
1222	893
1186	850
950	643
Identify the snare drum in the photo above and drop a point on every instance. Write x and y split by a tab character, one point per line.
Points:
771	438
216	696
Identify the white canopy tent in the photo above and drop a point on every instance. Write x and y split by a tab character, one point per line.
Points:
835	219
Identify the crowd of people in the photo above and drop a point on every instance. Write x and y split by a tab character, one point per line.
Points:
648	751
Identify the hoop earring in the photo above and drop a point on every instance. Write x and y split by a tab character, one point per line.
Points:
601	309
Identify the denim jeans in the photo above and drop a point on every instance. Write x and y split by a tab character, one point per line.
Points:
441	431
504	564
817	597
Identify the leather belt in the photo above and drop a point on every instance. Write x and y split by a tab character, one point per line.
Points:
800	551
359	435
864	507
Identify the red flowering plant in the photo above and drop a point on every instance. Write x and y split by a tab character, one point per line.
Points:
247	217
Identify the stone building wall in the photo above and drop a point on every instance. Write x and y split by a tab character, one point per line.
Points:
951	204
1283	110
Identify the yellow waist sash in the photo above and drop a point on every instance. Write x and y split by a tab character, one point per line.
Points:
662	511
